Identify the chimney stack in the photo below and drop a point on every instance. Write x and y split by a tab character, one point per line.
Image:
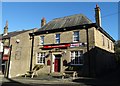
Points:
6	28
98	15
43	21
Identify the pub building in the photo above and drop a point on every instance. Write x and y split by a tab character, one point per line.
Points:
72	43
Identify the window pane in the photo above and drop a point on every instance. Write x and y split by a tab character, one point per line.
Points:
41	57
111	46
103	40
108	44
76	57
76	36
57	41
57	38
42	39
57	35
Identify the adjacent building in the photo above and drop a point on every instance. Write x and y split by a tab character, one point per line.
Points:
1	52
16	52
73	43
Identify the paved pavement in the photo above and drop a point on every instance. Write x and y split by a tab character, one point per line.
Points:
110	79
38	81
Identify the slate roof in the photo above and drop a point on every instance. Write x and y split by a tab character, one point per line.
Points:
76	21
11	34
68	21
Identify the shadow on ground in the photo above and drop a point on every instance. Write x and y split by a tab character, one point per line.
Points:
13	83
110	79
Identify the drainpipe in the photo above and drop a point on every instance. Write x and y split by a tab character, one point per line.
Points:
88	50
31	60
8	71
88	54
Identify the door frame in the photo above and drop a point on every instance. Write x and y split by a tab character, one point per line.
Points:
57	69
53	61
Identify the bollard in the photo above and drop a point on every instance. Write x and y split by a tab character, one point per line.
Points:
74	75
63	75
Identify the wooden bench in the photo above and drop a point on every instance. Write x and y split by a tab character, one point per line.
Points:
34	71
73	74
31	74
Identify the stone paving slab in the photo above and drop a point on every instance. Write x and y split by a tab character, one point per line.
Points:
41	80
110	79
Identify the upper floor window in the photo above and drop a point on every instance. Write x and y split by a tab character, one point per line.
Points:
77	57
103	40
57	38
41	58
76	36
108	44
42	40
111	46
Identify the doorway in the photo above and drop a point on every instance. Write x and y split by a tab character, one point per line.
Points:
57	63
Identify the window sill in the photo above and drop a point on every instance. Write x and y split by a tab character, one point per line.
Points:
75	41
77	64
40	64
40	44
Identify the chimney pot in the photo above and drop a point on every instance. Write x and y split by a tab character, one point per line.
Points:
97	5
97	15
6	28
43	21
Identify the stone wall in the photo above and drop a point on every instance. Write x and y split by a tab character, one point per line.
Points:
20	54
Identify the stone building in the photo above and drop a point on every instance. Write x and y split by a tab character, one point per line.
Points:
1	52
16	52
73	43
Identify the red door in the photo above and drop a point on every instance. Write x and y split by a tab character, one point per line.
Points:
57	65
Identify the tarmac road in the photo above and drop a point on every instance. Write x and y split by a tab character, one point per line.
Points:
14	83
34	82
110	79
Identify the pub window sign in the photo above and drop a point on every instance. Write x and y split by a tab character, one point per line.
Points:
6	51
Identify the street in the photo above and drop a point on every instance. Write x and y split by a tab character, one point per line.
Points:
14	83
110	79
37	82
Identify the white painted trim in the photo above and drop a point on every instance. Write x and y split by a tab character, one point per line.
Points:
37	59
76	64
10	69
53	60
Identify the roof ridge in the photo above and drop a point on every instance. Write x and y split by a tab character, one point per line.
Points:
67	16
21	30
66	21
14	33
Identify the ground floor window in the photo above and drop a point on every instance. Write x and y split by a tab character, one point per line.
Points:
77	57
41	58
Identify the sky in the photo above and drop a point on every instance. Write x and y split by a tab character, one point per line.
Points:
118	22
59	0
28	15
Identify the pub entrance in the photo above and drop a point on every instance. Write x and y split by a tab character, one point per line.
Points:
57	63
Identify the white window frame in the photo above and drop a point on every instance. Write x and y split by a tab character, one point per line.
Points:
80	56
103	40
41	40
111	46
76	36
40	58
57	39
108	44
